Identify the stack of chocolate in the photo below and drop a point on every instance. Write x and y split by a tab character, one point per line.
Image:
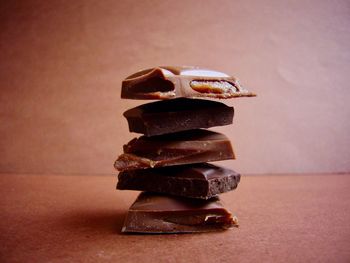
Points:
169	162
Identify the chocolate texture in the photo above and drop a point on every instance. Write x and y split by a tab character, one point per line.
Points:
154	213
193	146
195	180
172	82
162	117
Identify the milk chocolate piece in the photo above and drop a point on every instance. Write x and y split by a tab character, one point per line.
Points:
194	180
175	115
194	146
153	213
171	82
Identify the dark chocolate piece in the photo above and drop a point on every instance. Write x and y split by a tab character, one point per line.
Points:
194	146
175	115
194	180
173	82
153	213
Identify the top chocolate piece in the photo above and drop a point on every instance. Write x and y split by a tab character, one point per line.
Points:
173	82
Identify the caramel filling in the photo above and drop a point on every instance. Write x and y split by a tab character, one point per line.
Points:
213	86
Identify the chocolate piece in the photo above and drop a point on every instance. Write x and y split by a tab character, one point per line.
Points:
152	213
172	82
194	180
180	114
194	146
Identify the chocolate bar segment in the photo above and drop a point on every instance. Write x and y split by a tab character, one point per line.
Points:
172	82
194	146
175	115
154	213
195	180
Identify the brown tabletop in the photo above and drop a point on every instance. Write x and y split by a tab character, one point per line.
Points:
283	218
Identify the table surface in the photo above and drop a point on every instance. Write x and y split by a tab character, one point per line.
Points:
61	218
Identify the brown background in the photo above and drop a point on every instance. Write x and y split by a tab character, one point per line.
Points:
61	66
62	63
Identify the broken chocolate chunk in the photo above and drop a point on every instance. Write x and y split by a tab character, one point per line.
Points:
175	115
172	82
194	146
154	213
194	180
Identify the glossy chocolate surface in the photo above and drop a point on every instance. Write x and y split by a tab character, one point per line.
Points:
172	82
162	117
194	180
194	146
154	213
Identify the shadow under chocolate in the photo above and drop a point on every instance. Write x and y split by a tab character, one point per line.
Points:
93	222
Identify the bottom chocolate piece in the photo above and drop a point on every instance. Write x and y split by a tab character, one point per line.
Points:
154	213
